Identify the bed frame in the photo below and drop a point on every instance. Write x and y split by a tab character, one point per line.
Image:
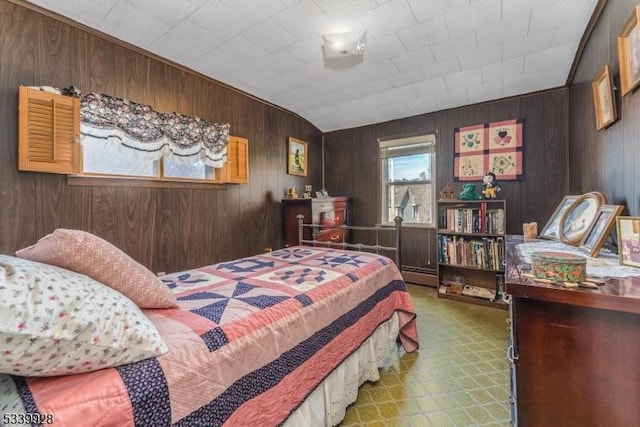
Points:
377	248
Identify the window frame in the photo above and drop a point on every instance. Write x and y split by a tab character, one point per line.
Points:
158	167
55	147
429	142
234	171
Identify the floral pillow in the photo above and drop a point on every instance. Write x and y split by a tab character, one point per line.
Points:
56	322
89	254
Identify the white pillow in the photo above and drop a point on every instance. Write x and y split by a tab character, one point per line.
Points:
55	322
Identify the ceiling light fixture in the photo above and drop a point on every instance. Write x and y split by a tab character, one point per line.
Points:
342	50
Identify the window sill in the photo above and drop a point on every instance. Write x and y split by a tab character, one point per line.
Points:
115	181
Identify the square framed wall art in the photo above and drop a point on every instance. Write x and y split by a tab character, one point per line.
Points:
489	147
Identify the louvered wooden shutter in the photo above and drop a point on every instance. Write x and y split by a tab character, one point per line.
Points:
238	154
236	170
49	132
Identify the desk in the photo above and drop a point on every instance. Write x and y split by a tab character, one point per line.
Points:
576	352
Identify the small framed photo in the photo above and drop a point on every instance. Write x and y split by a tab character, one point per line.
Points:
629	53
578	218
598	233
603	99
319	194
550	230
628	230
297	157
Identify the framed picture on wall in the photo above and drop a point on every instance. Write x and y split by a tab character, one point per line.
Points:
603	99
297	157
629	53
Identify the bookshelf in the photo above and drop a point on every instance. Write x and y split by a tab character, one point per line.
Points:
471	251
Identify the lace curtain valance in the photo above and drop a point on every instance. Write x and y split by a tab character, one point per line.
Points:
144	133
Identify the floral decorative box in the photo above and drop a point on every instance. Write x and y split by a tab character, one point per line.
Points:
559	266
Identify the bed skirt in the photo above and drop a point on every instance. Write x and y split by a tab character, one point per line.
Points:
326	405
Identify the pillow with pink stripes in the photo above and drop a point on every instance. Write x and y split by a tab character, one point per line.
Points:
88	254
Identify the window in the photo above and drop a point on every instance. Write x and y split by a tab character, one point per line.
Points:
408	179
197	170
103	159
51	139
107	160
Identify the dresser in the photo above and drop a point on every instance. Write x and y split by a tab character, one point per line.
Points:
328	211
575	352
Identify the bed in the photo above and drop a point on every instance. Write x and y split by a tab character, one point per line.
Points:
281	338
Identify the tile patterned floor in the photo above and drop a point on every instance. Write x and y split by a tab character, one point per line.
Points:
458	377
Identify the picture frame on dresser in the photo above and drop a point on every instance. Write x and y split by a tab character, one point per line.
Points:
628	232
596	236
603	99
629	52
550	230
578	218
297	157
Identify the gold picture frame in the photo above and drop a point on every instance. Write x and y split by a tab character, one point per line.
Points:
297	157
603	99
600	196
629	53
550	230
578	218
628	231
600	230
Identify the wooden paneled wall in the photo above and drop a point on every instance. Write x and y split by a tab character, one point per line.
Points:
352	165
164	229
174	229
605	160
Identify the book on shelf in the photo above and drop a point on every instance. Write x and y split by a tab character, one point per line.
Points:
485	253
480	219
494	221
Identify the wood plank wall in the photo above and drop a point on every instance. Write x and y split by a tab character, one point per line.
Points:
164	229
169	229
605	160
351	163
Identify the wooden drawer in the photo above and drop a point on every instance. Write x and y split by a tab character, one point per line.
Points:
334	235
329	211
319	205
331	218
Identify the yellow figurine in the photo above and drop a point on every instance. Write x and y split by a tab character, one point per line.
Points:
490	186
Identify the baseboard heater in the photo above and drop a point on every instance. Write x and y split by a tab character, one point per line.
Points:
420	275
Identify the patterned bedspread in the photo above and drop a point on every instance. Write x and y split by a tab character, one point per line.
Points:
252	338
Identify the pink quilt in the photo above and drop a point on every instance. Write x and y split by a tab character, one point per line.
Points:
251	340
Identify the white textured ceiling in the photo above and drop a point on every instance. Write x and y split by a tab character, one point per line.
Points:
421	55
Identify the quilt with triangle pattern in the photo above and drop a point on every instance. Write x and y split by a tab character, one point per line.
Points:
252	338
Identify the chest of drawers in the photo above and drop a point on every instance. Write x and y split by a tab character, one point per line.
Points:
328	211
